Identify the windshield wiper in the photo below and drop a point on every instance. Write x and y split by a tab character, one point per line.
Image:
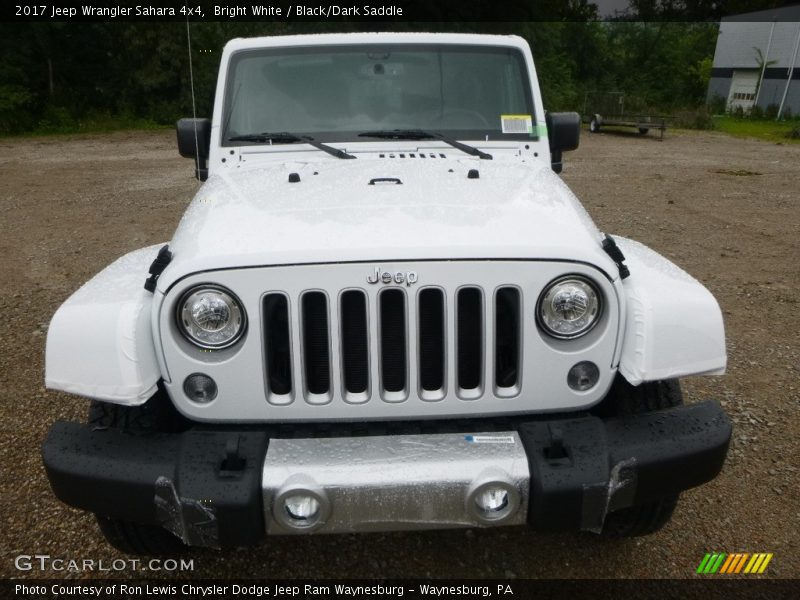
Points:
285	137
419	134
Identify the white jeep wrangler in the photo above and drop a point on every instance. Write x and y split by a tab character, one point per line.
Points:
383	310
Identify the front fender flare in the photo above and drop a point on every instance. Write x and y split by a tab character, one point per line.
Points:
673	325
100	341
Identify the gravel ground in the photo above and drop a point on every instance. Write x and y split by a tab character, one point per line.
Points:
724	209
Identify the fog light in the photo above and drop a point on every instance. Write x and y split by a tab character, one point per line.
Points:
200	388
302	508
583	376
492	500
300	505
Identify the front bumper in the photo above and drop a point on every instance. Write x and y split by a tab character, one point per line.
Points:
226	488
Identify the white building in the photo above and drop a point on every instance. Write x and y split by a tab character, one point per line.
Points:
745	43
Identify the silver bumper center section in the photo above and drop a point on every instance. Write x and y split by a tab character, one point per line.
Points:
335	485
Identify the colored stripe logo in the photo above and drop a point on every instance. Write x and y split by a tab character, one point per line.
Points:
740	562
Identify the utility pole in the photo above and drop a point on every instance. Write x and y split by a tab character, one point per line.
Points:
50	85
764	66
789	79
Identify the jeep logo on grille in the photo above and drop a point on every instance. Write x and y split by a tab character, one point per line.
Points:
399	277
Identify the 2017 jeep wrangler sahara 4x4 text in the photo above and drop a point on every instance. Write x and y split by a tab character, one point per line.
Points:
382	310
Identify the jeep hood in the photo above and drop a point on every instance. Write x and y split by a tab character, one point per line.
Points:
340	211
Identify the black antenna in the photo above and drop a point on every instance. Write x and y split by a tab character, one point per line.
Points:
194	108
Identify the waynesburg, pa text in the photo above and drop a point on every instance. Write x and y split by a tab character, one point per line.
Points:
256	590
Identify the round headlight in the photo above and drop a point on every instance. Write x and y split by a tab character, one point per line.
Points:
569	307
211	317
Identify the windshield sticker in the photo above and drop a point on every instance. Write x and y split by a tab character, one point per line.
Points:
516	124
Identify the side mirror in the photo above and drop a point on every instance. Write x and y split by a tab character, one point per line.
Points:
564	133
194	141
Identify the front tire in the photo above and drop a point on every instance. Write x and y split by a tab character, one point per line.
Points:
625	399
643	130
139	538
157	415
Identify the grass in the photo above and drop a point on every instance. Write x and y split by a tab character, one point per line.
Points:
762	129
90	125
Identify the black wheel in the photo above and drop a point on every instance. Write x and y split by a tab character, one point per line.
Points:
594	125
157	415
640	520
625	399
138	538
643	130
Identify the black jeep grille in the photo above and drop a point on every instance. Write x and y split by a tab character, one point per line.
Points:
395	342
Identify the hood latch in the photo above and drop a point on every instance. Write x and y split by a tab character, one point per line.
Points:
610	247
157	267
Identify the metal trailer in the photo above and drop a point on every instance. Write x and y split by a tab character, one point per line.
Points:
608	109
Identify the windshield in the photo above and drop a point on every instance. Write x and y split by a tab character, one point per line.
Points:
335	93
